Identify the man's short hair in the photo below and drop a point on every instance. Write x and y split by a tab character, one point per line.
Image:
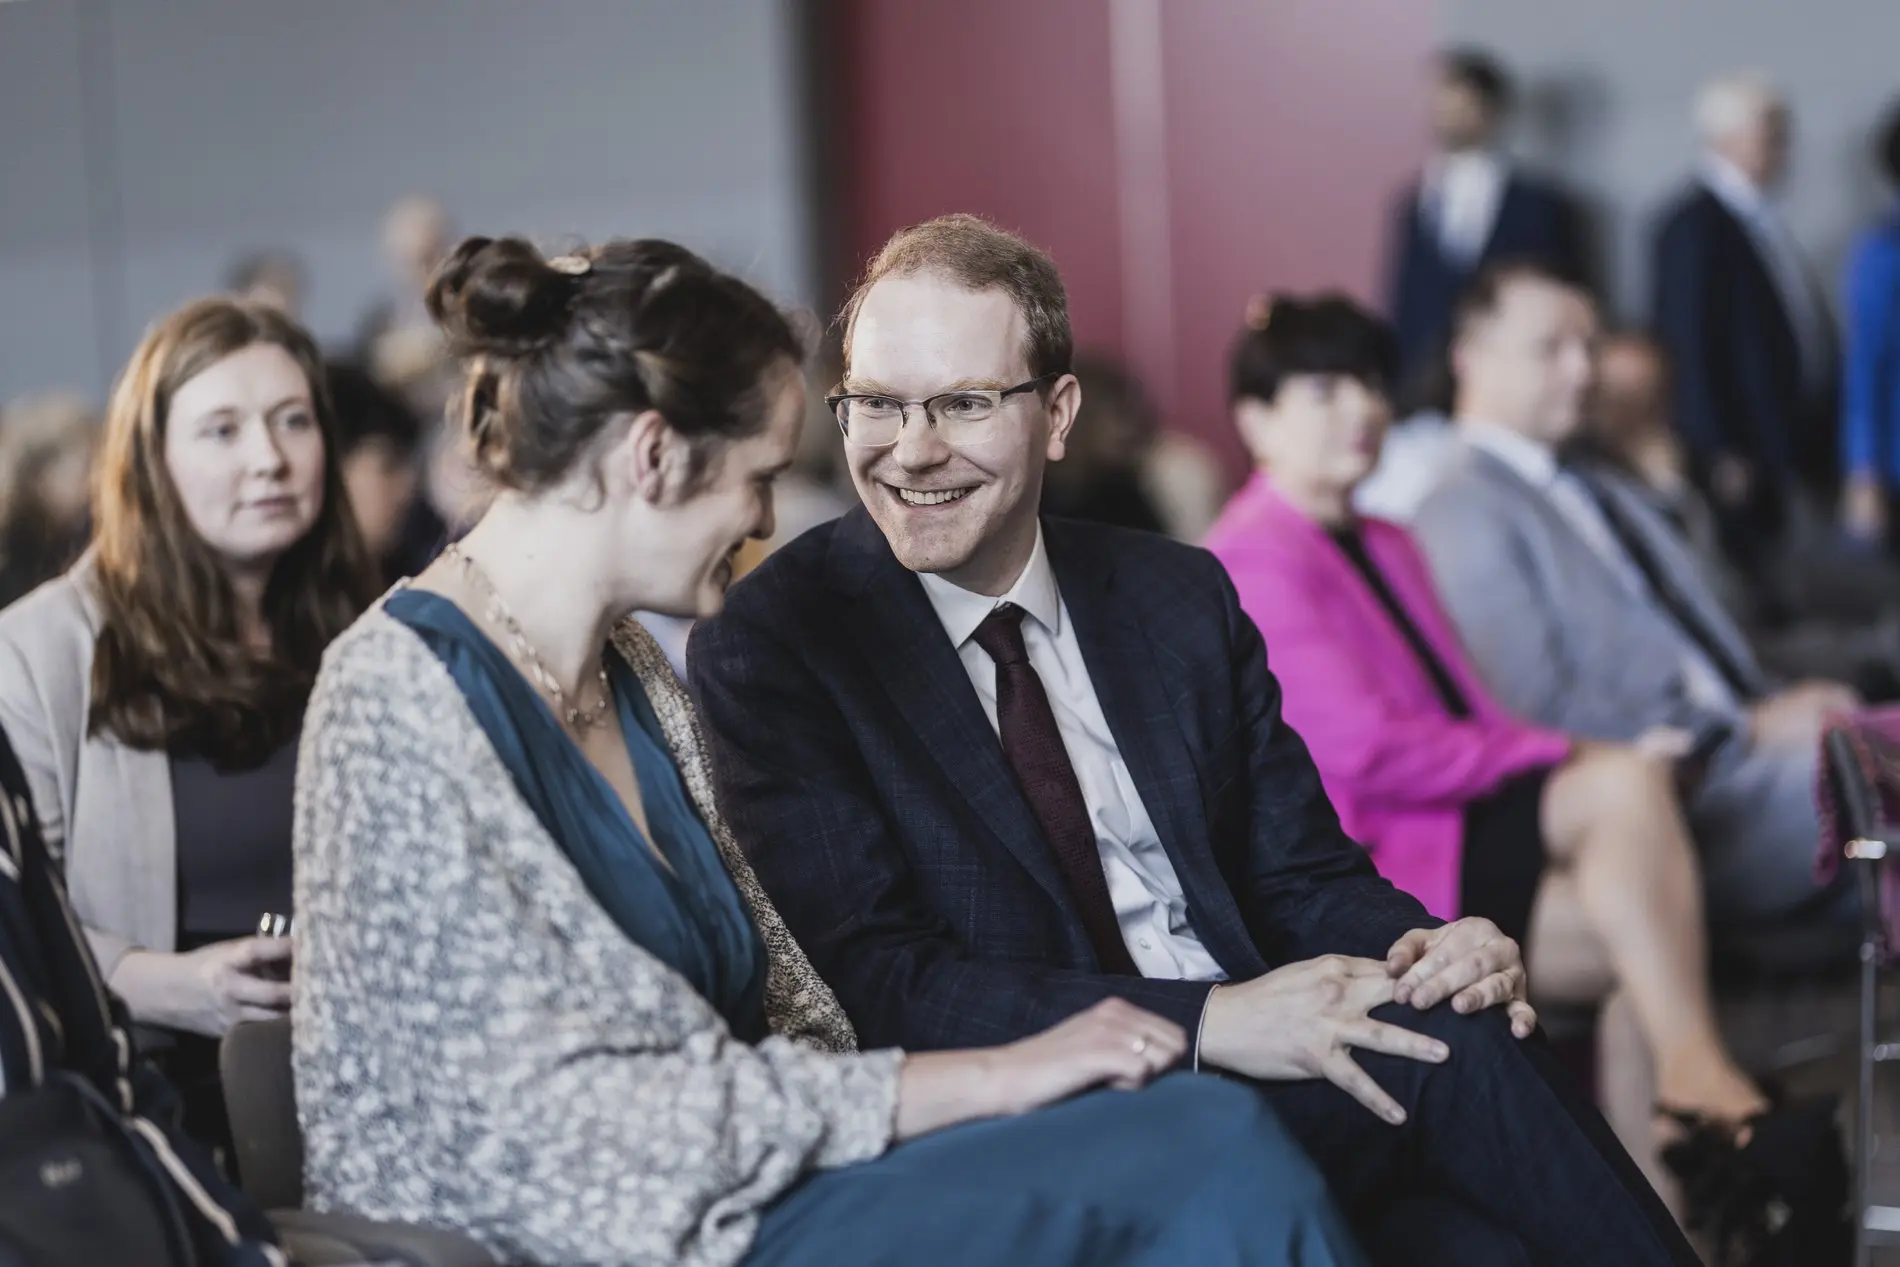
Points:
974	253
1729	103
1485	295
1480	73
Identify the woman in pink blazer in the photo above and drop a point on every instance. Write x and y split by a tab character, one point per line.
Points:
1576	849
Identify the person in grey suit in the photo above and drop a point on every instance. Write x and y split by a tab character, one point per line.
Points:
1585	612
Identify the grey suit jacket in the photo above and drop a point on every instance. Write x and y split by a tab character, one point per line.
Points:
1556	632
105	808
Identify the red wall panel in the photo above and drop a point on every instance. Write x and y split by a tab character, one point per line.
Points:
1278	132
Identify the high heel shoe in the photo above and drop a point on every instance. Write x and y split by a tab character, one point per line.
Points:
1778	1200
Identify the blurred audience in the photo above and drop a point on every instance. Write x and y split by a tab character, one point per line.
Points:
155	691
1870	405
74	1091
47	443
1585	613
1749	336
1835	612
379	440
275	277
397	341
1100	476
1471	206
1575	848
610	1049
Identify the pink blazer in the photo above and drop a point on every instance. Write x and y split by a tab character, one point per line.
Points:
1398	767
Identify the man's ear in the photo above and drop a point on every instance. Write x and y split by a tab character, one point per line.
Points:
1065	402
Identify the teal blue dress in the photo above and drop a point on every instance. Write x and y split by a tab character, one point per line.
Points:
1194	1170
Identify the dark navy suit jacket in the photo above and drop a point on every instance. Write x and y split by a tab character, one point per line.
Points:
856	766
1535	221
1734	358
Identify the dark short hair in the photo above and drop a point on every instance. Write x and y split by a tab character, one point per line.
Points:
1481	298
366	411
978	255
556	349
1887	145
1327	334
1482	74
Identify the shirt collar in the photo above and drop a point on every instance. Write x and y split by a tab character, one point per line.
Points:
1733	189
1530	458
961	610
1469	163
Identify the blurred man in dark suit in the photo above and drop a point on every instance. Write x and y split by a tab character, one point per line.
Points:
1749	338
1471	206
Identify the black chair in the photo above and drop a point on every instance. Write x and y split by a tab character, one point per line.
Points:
1866	840
260	1097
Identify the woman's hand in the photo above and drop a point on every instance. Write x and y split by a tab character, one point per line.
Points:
1112	1044
208	990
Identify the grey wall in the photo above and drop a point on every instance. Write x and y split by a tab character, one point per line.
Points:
142	145
1611	84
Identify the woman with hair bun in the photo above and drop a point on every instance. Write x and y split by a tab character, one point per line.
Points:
543	999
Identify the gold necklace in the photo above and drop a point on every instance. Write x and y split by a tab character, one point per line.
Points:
579	719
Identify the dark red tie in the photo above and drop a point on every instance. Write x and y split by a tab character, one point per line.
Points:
1034	747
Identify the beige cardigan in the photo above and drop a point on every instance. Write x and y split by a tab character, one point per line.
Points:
105	808
477	1045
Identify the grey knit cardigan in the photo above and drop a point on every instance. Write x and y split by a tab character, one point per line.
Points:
478	1046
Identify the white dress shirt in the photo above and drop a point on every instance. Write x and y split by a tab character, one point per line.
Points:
1142	884
1414	458
1462	194
1578	505
1786	269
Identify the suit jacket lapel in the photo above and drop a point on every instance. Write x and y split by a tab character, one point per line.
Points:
900	637
1124	667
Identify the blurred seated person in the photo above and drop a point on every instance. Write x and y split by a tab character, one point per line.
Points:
380	439
1585	613
274	277
1576	849
542	998
62	1027
155	692
1870	397
1101	478
1857	641
396	341
47	444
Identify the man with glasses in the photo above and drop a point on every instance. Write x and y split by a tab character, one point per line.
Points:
994	769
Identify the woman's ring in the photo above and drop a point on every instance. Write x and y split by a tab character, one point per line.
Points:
1140	1045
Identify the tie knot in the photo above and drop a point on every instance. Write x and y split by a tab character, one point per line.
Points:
1001	635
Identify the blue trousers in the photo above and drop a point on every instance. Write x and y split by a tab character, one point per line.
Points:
1192	1170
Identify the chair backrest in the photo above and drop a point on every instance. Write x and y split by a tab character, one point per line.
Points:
259	1096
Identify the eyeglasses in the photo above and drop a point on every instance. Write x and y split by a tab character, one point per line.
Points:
962	417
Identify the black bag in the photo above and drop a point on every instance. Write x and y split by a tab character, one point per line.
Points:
76	1190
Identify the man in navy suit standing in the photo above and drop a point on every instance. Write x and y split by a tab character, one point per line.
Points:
1753	355
994	768
1470	207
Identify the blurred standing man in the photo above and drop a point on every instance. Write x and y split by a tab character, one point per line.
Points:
1750	343
1470	207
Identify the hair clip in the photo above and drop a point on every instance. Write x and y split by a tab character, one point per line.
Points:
572	265
1259	312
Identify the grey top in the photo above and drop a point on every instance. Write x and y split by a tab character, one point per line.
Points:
479	1046
233	829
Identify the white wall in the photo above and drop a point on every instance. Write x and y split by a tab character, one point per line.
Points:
143	145
1611	84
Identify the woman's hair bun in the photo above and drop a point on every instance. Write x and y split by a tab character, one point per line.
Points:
499	297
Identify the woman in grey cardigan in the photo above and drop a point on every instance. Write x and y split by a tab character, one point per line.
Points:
542	998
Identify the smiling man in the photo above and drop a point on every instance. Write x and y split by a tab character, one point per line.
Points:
995	769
